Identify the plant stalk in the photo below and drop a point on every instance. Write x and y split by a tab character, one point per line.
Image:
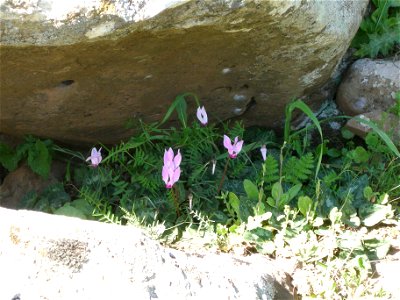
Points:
223	176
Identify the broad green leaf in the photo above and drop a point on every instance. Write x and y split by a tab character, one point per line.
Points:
294	190
39	159
335	215
283	200
372	214
257	221
377	249
350	241
271	202
346	134
359	155
394	3
235	203
251	189
352	220
83	206
277	191
70	211
258	235
304	204
335	153
368	193
8	157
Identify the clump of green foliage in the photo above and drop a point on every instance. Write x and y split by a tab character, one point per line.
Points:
379	33
37	154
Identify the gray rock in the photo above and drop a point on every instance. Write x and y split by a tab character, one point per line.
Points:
54	257
369	85
77	72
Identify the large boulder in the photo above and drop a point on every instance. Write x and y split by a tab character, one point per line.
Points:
77	71
54	257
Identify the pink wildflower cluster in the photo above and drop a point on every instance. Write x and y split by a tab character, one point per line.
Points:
171	170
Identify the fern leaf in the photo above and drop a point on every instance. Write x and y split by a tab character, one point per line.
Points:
271	170
298	170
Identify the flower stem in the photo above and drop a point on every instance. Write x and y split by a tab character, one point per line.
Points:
223	176
174	196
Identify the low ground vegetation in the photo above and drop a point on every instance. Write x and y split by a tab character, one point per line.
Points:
226	188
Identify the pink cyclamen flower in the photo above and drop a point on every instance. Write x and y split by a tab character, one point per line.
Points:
171	170
264	152
95	157
233	149
202	115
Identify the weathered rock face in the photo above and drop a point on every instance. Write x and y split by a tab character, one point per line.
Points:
76	259
369	85
77	72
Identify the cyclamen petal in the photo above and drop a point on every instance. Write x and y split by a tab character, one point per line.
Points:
176	175
164	173
227	142
238	146
168	156
177	158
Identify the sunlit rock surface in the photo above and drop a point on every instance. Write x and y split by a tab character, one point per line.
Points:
54	257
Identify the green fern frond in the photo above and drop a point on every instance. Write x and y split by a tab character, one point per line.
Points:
298	170
271	173
102	209
139	158
150	182
236	130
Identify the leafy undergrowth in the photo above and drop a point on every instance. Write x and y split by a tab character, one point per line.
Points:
379	33
289	197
